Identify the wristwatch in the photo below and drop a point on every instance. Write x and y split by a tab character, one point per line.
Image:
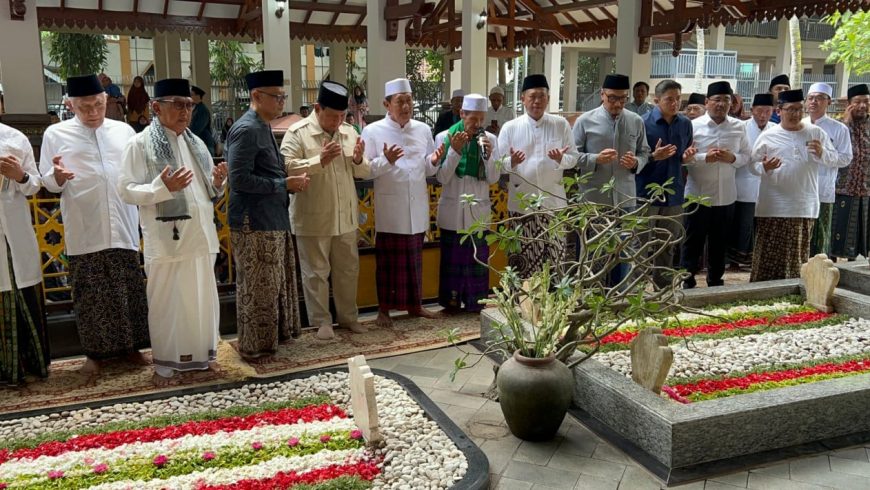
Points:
24	179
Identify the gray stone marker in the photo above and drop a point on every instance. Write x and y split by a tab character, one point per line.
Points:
651	359
362	398
820	276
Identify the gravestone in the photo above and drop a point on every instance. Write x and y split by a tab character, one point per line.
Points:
820	278
651	359
362	398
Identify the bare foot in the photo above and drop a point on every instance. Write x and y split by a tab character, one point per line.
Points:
137	358
90	368
384	320
160	381
424	313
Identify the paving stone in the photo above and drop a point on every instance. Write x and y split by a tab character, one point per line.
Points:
579	442
847	475
499	453
635	478
761	482
538	453
541	474
609	453
736	479
458	399
588	482
816	464
511	484
775	471
411	370
423	381
698	485
459	415
850	466
714	485
599	468
855	453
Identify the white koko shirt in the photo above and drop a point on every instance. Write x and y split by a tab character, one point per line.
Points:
842	141
717	180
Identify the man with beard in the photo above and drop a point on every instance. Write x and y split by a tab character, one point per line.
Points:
850	230
695	106
818	99
722	149
468	167
787	157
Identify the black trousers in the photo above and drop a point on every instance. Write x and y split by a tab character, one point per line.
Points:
710	226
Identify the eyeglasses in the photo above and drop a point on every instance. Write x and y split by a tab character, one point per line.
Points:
177	104
614	99
278	97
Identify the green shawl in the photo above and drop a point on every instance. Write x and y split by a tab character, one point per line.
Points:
469	163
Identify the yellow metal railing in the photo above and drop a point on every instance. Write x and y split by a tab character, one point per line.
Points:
48	225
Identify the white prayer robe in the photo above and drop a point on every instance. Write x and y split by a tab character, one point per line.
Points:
453	213
183	305
717	180
792	190
94	216
747	182
841	138
502	115
536	139
16	227
401	194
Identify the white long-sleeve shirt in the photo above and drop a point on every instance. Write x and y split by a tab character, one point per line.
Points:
453	213
747	182
196	236
401	194
842	141
717	180
792	190
94	216
16	227
536	139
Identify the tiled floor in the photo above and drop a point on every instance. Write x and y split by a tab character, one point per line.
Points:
576	458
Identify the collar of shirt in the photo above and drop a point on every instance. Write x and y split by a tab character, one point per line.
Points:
394	125
535	124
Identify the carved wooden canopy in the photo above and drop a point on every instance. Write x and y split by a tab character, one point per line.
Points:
511	24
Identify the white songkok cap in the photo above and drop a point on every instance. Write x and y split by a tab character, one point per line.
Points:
823	88
397	86
457	93
497	90
474	102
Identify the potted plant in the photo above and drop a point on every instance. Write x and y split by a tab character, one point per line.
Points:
556	318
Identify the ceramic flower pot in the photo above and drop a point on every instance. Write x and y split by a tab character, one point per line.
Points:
534	394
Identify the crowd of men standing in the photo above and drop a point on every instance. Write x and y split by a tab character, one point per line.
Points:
776	192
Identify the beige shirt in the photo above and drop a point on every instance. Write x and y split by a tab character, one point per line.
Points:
329	207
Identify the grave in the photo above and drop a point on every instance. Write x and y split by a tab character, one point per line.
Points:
680	443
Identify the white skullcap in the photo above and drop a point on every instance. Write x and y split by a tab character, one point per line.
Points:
823	88
474	102
497	90
457	93
397	86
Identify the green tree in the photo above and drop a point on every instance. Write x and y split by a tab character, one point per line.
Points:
851	42
76	54
229	65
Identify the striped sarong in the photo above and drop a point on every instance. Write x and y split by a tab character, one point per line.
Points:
821	241
399	277
23	338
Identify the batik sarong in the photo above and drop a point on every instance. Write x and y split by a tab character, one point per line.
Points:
533	255
23	339
462	279
782	245
821	240
108	289
267	303
850	234
399	277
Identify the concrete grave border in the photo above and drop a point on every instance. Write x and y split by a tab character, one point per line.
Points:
679	443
